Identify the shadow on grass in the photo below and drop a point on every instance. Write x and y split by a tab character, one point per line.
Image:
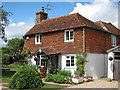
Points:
7	73
6	76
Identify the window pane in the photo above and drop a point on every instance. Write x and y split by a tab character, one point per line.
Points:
40	38
72	57
72	60
67	56
71	35
113	40
67	62
42	62
37	38
67	35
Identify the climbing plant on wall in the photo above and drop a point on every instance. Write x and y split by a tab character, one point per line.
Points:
80	63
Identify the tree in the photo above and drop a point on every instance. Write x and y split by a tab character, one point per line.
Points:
14	52
4	21
16	45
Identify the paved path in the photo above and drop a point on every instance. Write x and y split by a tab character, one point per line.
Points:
99	83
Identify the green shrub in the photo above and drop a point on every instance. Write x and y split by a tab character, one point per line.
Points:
7	59
26	77
65	73
57	78
49	78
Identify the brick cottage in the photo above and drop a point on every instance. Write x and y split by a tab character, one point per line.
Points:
64	37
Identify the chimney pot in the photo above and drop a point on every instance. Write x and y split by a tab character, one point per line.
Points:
42	9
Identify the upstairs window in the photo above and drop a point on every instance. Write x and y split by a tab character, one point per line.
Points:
69	61
113	40
37	39
69	35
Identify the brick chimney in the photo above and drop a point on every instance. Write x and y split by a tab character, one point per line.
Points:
40	16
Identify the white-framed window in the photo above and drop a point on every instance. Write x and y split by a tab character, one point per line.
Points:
37	39
70	61
43	61
113	40
69	35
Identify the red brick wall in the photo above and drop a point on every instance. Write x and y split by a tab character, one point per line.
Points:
118	40
56	40
97	42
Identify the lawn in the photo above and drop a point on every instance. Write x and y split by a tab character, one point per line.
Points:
47	86
7	74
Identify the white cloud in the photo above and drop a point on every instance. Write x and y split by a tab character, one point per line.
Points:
99	10
17	30
13	24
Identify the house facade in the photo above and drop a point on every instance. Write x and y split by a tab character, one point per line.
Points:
64	37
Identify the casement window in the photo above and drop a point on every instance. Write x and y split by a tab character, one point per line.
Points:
69	35
113	40
37	39
69	61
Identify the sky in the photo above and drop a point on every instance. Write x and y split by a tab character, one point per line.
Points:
23	13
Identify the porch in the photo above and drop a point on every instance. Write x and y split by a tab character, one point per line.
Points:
46	60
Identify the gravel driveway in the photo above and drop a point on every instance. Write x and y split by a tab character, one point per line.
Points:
99	83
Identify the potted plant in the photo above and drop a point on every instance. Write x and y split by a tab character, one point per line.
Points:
77	79
110	58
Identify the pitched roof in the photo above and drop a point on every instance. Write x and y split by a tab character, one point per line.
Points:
108	27
64	22
48	50
116	49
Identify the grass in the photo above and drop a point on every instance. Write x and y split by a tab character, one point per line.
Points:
46	86
6	76
13	67
53	86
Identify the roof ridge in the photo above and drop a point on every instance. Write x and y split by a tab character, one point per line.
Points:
57	18
79	18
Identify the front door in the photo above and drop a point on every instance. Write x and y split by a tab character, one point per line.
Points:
43	65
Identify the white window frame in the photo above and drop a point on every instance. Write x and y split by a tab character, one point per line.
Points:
113	40
70	60
39	39
70	40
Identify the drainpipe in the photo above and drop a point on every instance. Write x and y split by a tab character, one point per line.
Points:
83	40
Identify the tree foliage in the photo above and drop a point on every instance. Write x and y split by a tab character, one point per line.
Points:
14	52
4	21
16	45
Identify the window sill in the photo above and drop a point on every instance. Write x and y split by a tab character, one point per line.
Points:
113	45
69	41
37	43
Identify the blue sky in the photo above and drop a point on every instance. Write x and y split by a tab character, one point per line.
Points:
23	11
23	17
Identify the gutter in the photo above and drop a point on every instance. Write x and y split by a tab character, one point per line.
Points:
84	48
